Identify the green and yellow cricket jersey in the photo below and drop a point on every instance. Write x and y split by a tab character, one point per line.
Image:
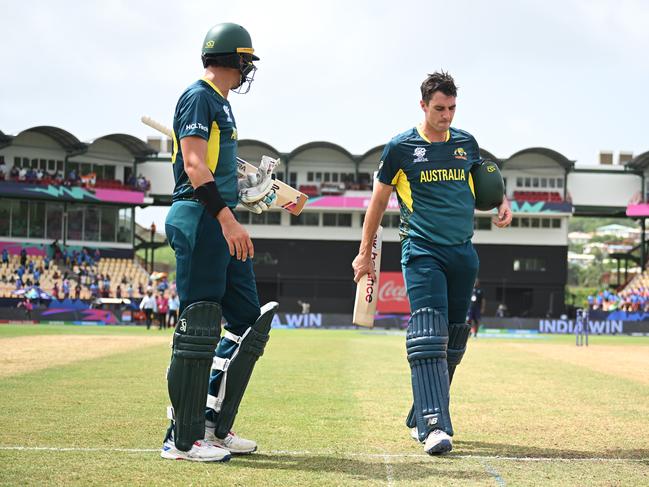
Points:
202	111
433	183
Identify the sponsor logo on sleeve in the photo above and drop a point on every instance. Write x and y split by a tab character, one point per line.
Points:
196	125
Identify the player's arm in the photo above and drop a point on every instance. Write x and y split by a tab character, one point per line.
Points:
194	151
362	264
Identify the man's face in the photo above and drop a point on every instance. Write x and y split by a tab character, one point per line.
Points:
439	111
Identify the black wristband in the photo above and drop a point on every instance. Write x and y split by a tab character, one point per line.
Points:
209	195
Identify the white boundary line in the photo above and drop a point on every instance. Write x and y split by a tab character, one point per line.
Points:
385	456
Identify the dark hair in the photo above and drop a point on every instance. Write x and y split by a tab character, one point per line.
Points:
438	81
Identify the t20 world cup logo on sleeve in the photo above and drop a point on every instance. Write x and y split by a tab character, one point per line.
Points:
420	154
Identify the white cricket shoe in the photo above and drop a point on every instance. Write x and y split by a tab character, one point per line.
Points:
201	451
414	434
438	442
232	443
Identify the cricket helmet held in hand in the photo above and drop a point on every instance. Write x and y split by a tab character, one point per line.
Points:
488	185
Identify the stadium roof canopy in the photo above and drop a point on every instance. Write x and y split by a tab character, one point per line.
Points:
321	145
560	159
138	148
641	161
260	144
485	154
64	138
378	148
5	140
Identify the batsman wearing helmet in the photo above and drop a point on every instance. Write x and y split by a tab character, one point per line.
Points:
431	166
208	374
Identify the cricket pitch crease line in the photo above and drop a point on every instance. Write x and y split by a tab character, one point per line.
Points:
385	456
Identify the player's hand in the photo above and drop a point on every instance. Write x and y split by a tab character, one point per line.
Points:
262	205
236	236
504	217
362	265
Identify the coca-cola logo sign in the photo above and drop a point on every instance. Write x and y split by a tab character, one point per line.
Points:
393	297
392	291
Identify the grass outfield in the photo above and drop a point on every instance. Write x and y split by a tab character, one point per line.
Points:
86	406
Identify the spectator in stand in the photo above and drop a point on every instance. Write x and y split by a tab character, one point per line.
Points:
3	170
118	292
106	288
14	173
66	289
27	304
140	289
21	272
163	307
37	277
72	177
148	305
55	290
22	174
30	266
131	181
46	263
94	290
173	303
5	256
129	291
97	255
23	256
77	291
31	175
39	174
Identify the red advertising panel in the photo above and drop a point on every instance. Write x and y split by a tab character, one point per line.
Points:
392	294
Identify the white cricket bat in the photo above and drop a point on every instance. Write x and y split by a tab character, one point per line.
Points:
367	289
288	198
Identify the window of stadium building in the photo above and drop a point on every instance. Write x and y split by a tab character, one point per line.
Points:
306	219
54	221
5	218
529	264
266	218
125	225
336	219
482	223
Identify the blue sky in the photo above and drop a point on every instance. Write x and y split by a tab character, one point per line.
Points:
569	75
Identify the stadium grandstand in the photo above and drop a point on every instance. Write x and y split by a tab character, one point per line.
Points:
67	228
55	189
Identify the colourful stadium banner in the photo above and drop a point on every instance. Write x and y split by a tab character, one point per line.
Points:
74	193
639	210
545	207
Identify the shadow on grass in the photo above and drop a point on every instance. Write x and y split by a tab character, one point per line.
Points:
506	450
414	469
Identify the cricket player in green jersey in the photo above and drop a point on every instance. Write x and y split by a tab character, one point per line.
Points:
430	168
213	252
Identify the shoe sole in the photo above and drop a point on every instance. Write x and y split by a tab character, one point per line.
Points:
237	452
173	456
441	448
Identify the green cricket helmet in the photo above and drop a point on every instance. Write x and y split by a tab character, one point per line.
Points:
488	185
228	38
229	45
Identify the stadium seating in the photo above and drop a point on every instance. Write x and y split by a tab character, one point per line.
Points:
117	269
535	196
